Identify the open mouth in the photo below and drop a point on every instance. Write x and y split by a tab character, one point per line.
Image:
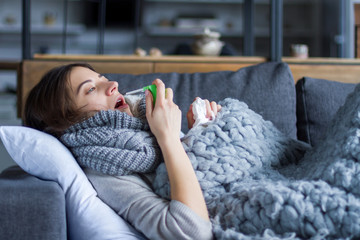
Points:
120	102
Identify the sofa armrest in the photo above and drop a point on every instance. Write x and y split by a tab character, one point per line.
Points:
30	208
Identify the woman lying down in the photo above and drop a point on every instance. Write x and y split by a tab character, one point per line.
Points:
236	177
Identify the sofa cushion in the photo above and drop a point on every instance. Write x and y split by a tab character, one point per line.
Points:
317	102
267	88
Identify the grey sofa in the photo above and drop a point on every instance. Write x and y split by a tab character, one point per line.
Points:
31	208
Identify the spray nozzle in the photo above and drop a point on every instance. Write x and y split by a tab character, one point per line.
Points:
151	88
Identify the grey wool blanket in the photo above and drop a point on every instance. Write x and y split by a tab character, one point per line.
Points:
259	184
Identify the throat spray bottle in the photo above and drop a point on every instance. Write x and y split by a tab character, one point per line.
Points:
151	88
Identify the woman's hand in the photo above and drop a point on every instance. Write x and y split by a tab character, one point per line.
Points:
165	117
210	107
165	123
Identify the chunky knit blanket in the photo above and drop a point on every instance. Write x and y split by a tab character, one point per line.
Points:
258	184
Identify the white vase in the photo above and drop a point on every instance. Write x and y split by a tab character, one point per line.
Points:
207	43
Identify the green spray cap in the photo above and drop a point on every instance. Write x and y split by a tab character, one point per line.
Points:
152	89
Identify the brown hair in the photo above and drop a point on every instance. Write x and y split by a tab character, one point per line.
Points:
49	106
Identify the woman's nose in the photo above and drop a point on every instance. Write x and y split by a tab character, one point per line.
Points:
112	88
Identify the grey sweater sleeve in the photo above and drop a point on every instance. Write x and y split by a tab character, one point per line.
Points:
155	217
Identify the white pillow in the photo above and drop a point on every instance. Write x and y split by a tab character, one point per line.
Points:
42	155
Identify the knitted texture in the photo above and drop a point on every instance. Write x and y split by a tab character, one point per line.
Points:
238	144
114	143
258	185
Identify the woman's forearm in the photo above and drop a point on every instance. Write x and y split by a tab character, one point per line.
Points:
184	185
165	123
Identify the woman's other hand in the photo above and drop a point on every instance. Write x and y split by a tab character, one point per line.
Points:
165	116
211	107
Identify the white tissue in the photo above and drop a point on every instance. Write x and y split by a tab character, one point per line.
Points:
199	111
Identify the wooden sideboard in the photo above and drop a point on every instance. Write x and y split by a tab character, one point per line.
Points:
30	71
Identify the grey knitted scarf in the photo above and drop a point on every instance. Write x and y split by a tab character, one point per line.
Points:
114	143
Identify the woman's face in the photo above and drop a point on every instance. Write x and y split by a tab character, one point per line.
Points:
94	92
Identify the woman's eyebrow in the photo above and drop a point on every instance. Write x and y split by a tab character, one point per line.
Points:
81	84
